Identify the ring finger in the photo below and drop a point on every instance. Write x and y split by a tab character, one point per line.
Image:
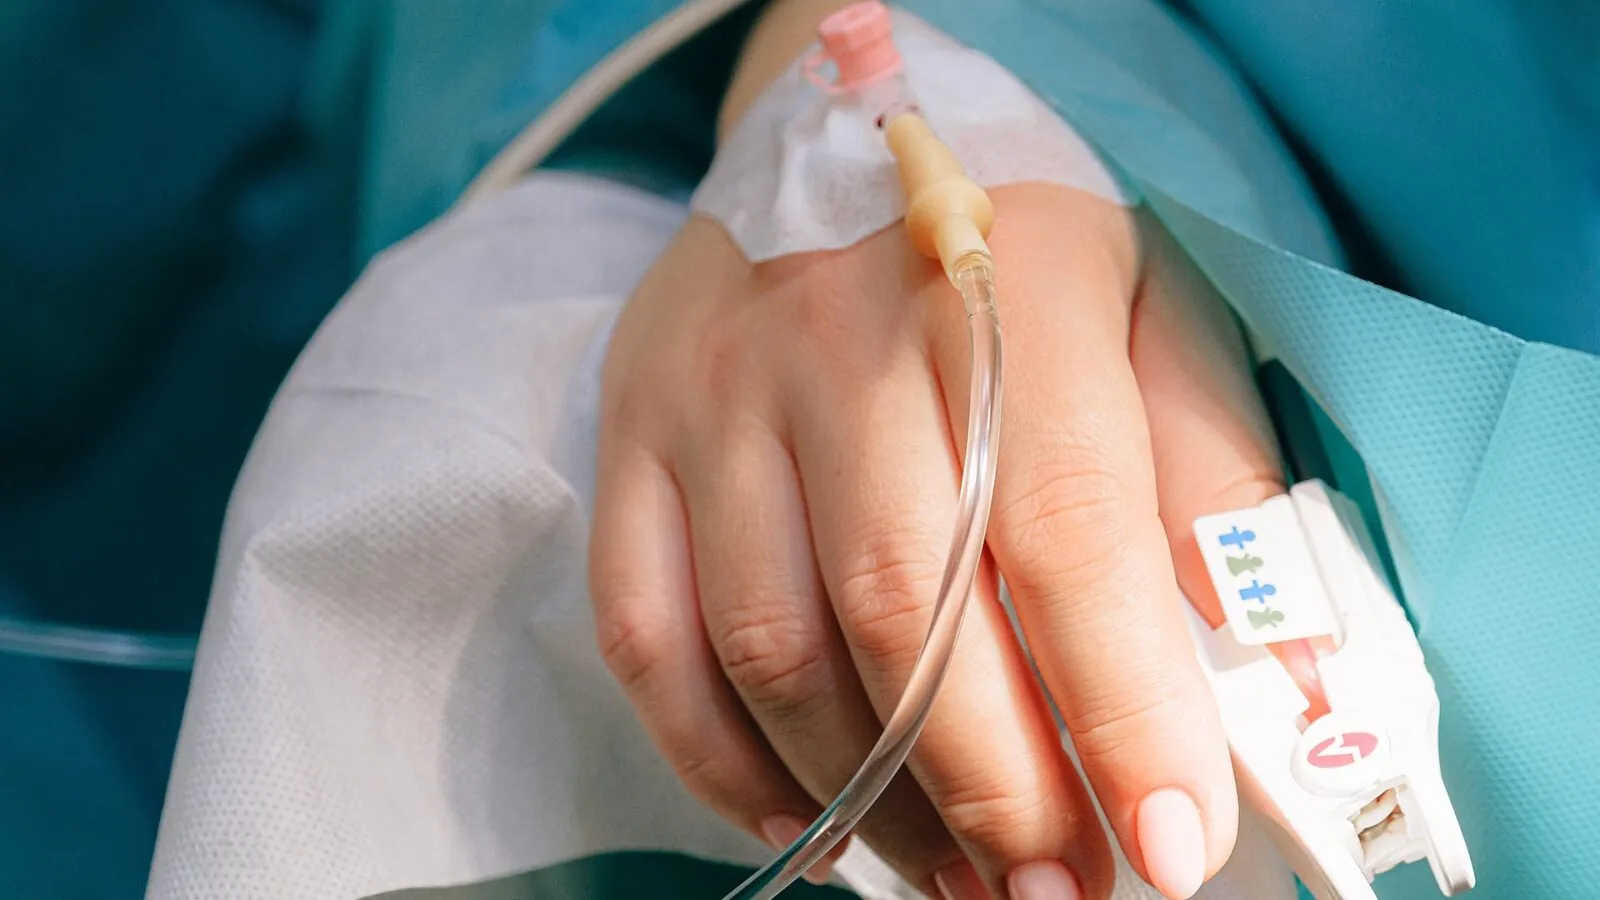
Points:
880	475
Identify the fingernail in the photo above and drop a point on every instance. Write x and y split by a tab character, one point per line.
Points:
960	882
781	831
1044	880
1173	841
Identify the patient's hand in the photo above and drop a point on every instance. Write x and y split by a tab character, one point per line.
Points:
778	468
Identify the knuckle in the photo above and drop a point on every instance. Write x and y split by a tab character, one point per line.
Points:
821	304
991	809
702	772
625	395
620	408
634	636
1111	726
829	317
1070	519
722	361
774	661
887	589
1247	489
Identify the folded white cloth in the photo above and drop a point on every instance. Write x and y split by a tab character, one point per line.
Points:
398	684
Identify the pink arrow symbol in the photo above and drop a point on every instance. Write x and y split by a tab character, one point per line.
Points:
1358	746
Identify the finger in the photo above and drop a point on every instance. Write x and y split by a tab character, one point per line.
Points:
1077	535
880	476
775	635
1213	444
650	634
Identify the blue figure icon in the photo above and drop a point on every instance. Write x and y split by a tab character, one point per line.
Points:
1257	591
1237	538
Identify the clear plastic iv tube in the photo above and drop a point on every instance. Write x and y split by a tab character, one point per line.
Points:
948	217
973	275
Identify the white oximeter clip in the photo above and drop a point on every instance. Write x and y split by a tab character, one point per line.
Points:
1358	791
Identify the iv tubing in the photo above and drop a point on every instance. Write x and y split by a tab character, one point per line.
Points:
68	643
948	217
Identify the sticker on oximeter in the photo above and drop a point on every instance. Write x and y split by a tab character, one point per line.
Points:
1264	573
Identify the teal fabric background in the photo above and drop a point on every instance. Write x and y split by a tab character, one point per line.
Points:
1466	133
199	181
169	237
1454	420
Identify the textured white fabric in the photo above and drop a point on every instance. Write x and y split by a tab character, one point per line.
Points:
804	171
398	684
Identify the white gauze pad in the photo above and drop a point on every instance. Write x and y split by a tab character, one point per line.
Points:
806	171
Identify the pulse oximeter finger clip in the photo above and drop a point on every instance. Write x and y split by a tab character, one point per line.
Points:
1355	790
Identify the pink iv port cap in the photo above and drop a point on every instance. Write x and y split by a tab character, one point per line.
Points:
860	41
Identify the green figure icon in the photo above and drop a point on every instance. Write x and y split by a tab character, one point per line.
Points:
1263	618
1238	565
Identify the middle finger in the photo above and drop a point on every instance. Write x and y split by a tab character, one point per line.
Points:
880	474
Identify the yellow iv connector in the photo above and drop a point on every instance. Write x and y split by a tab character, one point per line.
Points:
948	216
